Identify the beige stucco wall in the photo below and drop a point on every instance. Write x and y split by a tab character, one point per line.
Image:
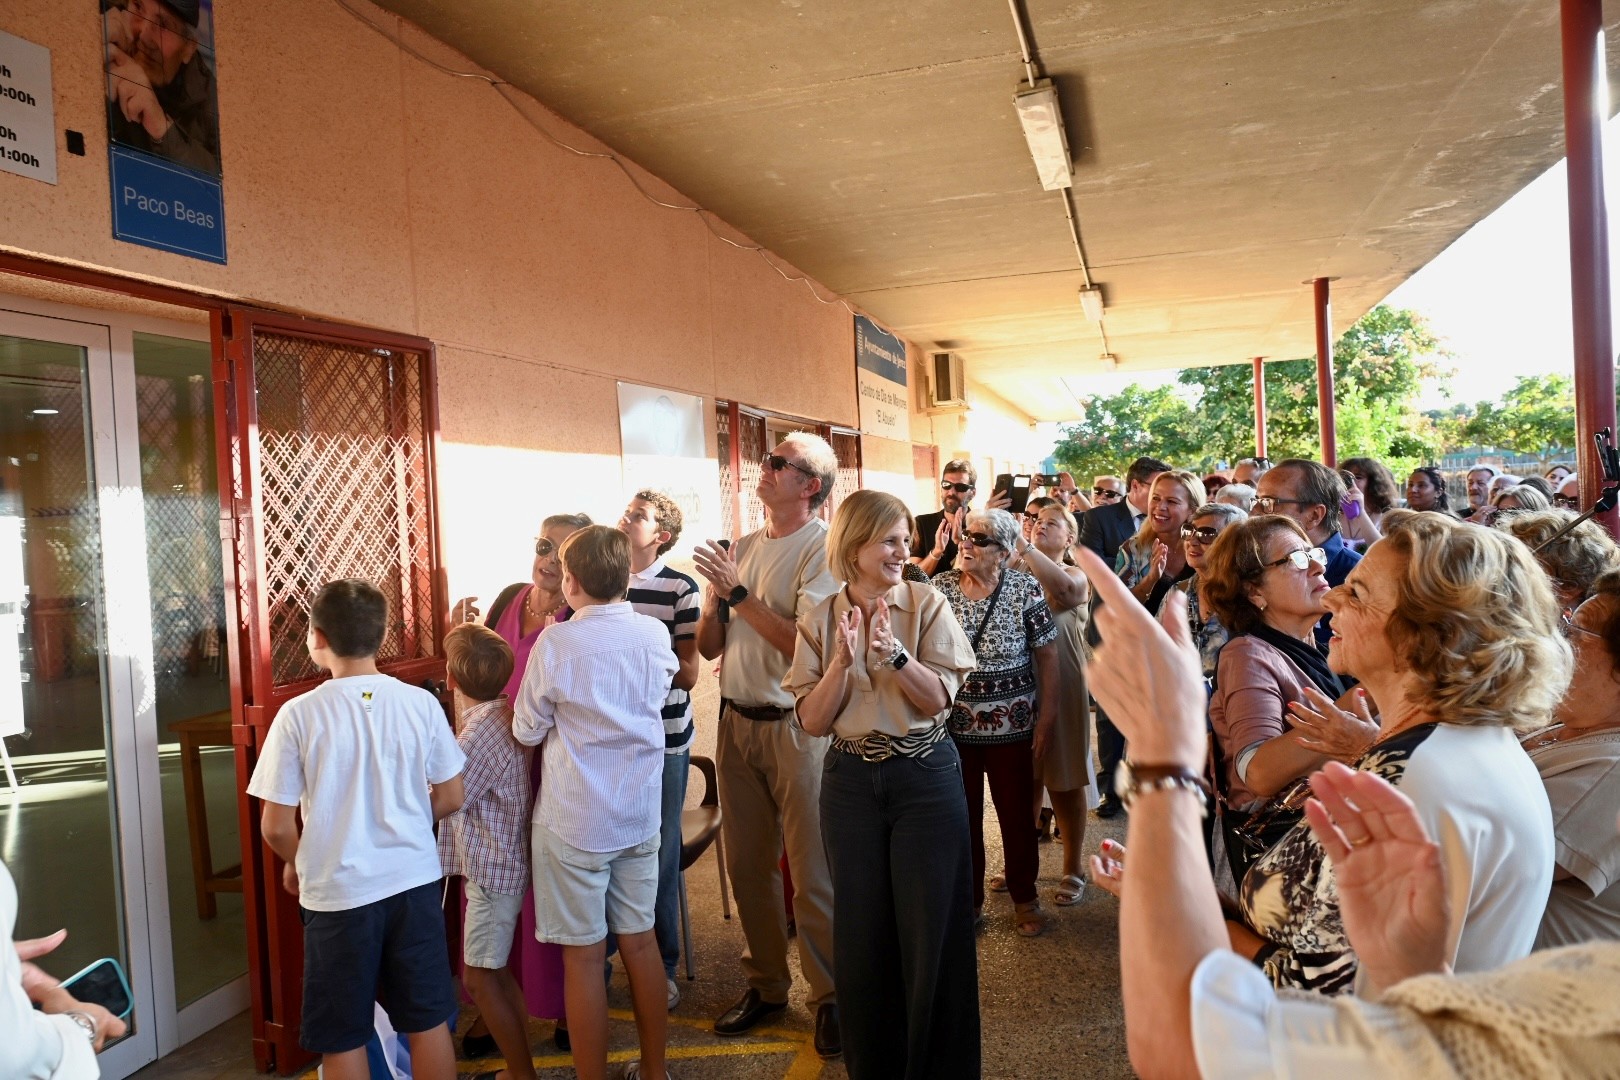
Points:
363	185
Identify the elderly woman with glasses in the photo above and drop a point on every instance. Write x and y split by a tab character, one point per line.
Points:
1197	536
1266	584
520	614
875	666
1003	716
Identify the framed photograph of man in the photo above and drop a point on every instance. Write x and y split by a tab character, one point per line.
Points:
161	95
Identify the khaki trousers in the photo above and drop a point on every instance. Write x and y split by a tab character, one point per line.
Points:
770	793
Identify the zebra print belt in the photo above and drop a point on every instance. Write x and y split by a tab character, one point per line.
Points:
880	747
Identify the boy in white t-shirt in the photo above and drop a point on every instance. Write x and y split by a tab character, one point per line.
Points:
372	764
594	692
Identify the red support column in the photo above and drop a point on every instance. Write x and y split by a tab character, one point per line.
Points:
1584	72
1326	419
1259	406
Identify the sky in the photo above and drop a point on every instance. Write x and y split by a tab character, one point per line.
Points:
1498	297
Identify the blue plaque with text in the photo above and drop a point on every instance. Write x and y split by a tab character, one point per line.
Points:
167	206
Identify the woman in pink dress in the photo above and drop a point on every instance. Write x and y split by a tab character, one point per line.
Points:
520	614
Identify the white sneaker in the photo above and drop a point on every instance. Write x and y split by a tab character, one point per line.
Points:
674	993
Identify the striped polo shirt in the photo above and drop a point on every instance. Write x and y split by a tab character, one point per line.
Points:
673	599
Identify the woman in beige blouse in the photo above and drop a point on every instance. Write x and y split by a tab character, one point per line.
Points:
876	666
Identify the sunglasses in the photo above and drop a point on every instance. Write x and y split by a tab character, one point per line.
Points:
960	489
1105	493
544	547
1567	502
776	463
1032	515
981	540
1204	535
1301	558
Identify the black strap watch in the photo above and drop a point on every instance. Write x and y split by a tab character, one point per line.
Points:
737	595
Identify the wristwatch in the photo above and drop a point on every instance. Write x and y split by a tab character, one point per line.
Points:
1131	780
897	659
737	595
85	1022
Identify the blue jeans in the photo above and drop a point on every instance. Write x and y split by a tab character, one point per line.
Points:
667	911
904	957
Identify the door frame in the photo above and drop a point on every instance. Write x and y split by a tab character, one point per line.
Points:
132	744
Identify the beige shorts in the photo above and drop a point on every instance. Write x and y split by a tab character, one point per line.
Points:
580	895
492	918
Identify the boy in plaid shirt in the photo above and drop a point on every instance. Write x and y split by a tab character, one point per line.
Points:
487	842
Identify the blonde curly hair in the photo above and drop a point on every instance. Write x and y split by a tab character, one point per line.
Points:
1575	560
1477	624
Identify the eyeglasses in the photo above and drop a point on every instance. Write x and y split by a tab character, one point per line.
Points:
981	540
1105	493
1032	515
776	463
1204	535
1570	627
1301	558
960	489
1268	503
544	547
1567	502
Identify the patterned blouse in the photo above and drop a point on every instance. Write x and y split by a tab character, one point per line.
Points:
1290	897
997	703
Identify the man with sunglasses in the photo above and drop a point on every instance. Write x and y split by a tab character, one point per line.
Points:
1312	495
1568	496
770	768
933	543
1106	490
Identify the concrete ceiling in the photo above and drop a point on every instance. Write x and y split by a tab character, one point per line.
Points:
1226	151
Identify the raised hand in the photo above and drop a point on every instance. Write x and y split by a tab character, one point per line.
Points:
848	634
943	534
717	566
880	638
464	610
1328	729
1392	891
1147	674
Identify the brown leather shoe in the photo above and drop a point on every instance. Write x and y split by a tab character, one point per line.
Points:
746	1014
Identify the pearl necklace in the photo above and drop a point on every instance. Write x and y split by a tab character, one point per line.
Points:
540	616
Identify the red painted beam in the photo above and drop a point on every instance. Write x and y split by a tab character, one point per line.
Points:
1584	71
1259	406
1326	418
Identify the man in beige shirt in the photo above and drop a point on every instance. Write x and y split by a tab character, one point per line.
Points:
770	770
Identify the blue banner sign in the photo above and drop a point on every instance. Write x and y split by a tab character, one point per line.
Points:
880	380
879	351
167	206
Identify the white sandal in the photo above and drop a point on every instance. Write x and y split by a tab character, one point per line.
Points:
1070	890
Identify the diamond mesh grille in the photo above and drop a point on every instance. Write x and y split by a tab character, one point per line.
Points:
847	445
728	482
752	448
344	487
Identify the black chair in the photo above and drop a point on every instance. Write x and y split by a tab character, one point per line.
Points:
700	827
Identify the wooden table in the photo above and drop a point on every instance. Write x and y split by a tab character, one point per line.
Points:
196	733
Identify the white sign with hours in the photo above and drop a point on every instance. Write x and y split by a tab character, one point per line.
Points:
27	111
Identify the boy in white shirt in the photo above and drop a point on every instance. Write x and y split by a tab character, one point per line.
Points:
372	764
594	690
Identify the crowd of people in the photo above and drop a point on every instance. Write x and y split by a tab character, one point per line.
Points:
1370	755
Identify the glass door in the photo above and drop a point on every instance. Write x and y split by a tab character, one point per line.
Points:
118	809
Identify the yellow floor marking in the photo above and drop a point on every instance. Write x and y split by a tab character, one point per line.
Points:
707	1026
807	1065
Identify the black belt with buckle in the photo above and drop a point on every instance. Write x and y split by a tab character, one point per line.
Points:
765	714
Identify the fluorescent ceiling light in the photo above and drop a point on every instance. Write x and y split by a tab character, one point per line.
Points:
1043	129
1110	362
1091	302
46	412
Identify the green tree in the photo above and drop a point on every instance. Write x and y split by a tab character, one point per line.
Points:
1118	429
1379	365
1537	416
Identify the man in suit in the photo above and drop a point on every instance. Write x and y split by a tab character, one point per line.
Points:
1103	530
933	548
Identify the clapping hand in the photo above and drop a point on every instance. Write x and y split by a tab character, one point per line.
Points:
1328	729
880	642
943	534
1392	892
848	634
464	610
715	563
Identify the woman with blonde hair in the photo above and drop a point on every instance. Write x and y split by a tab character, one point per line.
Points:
876	666
1154	560
1575	561
1453	630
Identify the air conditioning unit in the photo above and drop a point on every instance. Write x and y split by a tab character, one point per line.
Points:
946	386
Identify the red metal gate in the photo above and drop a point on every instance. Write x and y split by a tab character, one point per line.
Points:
327	438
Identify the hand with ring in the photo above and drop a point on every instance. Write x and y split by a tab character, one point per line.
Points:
1392	892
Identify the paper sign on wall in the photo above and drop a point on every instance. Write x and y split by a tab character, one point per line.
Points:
27	111
880	378
664	449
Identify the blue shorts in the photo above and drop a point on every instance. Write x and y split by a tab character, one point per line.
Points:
391	951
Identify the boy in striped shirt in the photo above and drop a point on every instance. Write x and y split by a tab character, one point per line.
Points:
652	523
